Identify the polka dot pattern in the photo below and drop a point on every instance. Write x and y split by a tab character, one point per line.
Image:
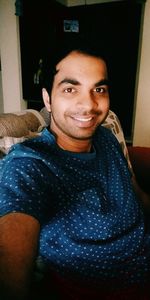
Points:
91	222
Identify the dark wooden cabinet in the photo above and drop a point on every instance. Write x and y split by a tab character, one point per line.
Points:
116	25
39	27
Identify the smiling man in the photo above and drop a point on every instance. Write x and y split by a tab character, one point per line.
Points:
67	198
79	101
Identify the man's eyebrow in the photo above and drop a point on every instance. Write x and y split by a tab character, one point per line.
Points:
76	82
69	80
102	82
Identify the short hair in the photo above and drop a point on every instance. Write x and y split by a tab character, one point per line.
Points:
62	49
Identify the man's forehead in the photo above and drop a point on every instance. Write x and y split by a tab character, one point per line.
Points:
81	69
78	58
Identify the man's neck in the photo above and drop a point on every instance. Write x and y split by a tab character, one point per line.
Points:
78	146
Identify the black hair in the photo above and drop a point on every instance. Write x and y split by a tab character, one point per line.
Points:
61	49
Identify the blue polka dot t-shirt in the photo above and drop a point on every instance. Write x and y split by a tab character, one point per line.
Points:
92	224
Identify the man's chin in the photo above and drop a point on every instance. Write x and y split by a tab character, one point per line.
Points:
83	135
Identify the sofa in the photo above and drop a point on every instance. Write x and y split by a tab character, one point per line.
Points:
18	126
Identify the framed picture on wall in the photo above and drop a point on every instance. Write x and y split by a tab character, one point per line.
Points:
71	26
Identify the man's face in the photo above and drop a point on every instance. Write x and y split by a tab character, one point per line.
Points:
79	98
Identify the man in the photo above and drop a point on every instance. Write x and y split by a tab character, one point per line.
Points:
67	195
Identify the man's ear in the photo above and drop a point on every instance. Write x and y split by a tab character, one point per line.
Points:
46	99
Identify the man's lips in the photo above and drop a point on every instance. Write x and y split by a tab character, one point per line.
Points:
84	121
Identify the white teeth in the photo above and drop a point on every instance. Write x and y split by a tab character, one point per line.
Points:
83	119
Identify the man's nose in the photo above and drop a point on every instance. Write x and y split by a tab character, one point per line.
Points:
87	101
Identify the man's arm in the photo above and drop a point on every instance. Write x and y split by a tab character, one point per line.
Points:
18	247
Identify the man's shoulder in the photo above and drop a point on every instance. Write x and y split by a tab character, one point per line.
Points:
106	140
105	134
35	147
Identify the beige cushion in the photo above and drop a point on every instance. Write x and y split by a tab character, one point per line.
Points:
20	123
112	122
18	126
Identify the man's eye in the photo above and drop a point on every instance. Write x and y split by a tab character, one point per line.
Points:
100	90
69	90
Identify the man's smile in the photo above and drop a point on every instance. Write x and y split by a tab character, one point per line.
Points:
83	119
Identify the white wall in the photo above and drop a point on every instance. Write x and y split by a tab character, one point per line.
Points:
1	95
11	73
10	58
141	135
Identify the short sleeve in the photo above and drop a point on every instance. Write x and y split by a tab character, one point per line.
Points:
24	188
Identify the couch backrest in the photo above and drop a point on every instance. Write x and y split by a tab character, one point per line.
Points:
18	126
